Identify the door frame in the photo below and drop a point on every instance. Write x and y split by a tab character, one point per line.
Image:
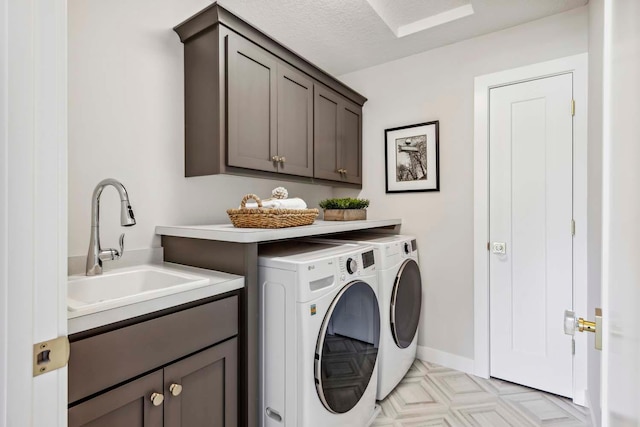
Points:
578	65
33	212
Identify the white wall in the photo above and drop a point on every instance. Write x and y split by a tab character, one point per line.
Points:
126	122
438	85
594	184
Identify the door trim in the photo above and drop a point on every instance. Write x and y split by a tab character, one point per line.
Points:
577	65
33	188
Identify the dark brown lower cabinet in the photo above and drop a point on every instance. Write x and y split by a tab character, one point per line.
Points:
202	389
177	368
128	405
198	391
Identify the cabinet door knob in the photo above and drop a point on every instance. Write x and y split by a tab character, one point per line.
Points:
283	159
157	399
341	171
275	159
344	171
175	389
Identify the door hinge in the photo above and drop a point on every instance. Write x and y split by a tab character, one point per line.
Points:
573	227
50	355
573	107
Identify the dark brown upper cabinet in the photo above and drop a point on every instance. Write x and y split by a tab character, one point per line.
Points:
338	137
351	142
295	122
269	112
251	107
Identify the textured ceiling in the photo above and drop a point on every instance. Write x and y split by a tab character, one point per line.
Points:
399	15
341	36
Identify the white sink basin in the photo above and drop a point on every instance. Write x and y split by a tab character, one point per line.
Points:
127	286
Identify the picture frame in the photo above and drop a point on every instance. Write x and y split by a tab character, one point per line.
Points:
412	158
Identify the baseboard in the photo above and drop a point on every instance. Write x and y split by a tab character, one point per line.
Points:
580	398
448	360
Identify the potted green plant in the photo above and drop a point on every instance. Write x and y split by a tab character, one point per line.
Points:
346	209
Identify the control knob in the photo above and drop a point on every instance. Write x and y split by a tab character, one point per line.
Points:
407	248
352	266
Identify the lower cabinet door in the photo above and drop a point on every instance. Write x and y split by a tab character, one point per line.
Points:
202	390
129	405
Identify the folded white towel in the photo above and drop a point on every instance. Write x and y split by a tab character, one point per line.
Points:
293	203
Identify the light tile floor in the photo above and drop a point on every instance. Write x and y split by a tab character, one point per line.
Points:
431	395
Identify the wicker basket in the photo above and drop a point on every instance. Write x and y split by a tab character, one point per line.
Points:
269	218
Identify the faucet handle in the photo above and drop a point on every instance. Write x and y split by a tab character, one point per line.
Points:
112	254
119	253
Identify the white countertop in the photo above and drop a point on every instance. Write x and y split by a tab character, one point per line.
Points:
217	283
228	233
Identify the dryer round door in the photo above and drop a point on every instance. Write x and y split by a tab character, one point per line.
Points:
347	347
406	302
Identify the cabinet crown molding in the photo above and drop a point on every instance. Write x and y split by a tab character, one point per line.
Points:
215	14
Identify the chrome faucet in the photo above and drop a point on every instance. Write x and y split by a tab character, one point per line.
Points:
96	253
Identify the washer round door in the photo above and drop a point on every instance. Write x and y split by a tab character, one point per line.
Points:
406	302
347	347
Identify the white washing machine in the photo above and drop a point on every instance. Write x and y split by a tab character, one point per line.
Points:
319	334
400	296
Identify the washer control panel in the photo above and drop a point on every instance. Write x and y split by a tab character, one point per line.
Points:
356	264
352	266
368	259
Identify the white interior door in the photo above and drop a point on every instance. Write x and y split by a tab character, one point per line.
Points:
531	283
621	213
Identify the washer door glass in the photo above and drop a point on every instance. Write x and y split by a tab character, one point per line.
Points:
406	302
347	347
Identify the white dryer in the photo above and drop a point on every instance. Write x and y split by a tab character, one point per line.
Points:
319	334
400	296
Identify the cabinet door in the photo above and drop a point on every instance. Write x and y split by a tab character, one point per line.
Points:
209	388
351	142
327	134
295	122
128	405
251	108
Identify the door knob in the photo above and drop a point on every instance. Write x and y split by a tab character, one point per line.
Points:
157	399
283	159
499	248
275	159
175	389
572	323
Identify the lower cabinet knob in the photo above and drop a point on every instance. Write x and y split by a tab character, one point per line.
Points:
157	399
175	389
283	159
275	159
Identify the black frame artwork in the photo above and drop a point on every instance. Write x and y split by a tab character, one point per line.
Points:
412	158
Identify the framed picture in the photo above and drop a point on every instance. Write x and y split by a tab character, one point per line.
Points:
411	157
